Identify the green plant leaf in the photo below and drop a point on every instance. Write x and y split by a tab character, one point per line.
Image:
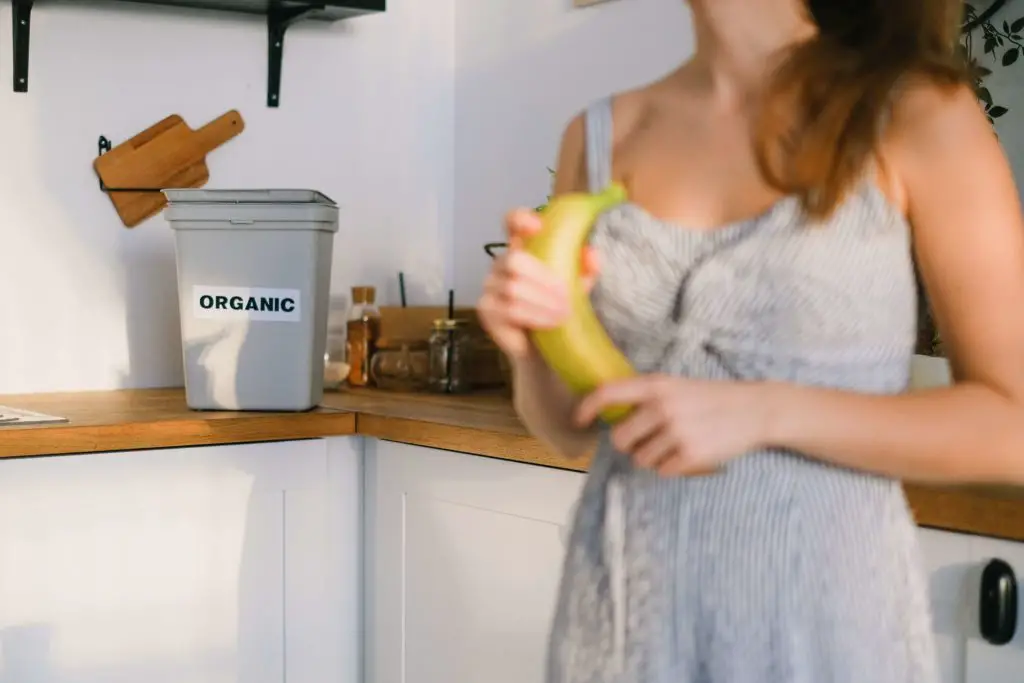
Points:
1017	26
1011	56
990	45
997	111
985	96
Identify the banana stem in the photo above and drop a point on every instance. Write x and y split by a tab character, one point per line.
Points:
611	196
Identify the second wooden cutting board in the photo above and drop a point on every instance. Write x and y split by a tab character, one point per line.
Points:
168	154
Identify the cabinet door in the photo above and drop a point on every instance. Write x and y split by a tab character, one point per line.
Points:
208	565
464	557
988	663
948	561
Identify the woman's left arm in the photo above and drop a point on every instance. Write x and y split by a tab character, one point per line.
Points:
968	235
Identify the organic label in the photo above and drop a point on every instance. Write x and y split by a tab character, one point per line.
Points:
247	303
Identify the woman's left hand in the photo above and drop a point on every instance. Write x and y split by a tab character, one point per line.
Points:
680	426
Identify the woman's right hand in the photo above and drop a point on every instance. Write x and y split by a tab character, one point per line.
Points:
521	293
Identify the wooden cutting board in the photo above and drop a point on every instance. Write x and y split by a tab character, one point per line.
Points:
168	154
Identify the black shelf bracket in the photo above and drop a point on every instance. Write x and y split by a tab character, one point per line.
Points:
279	18
278	21
21	21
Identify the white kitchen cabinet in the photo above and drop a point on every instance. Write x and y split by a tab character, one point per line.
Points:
464	556
209	565
947	560
955	563
988	663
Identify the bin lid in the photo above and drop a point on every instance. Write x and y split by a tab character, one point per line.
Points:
195	209
204	196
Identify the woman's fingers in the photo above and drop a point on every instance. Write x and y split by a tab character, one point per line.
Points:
591	261
523	271
524	293
658	452
519	265
590	266
520	304
641	425
521	223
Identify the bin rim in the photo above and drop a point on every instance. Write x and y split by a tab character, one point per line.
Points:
279	196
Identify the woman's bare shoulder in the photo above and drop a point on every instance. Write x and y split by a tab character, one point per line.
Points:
628	109
928	124
930	118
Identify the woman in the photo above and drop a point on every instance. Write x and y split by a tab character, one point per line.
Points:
761	280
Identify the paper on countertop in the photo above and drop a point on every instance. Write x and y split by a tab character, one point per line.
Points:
17	416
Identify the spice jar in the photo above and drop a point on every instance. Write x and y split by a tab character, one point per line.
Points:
362	330
450	349
400	364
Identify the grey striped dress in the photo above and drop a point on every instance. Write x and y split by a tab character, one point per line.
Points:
779	569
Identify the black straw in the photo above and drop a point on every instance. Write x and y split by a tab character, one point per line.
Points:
451	340
401	287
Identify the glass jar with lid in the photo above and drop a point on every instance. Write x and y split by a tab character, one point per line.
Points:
451	346
400	364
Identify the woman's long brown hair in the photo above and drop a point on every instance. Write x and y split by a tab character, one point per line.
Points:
824	113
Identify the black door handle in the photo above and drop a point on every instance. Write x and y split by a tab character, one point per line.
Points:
998	605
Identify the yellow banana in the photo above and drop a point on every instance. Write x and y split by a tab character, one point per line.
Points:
579	350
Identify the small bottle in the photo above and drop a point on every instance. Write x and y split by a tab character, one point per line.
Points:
362	331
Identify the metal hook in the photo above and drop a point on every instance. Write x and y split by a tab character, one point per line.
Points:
491	247
105	146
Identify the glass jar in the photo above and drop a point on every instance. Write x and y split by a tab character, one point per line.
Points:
335	361
400	364
362	330
450	348
335	351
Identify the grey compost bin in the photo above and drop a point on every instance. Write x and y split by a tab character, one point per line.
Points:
254	273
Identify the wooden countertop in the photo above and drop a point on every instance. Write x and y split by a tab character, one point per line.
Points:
481	424
150	418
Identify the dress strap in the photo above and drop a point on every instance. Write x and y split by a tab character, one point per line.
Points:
600	141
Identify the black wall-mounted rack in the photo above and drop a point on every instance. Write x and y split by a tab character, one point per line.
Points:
280	15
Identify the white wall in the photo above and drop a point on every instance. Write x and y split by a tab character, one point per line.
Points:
366	117
523	69
387	114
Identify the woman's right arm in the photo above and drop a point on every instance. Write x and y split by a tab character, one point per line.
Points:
541	399
545	406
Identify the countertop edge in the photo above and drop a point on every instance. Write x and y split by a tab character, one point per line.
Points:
70	439
971	510
135	420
